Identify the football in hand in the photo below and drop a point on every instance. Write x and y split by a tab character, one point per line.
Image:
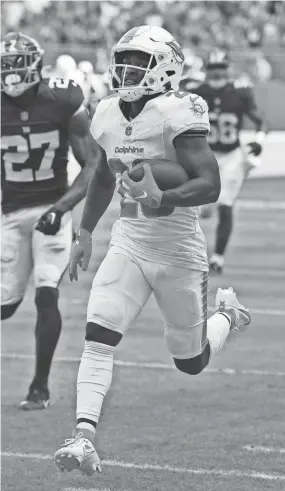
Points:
167	174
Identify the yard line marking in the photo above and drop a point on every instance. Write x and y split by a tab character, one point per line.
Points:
167	468
261	449
150	365
274	273
252	204
86	489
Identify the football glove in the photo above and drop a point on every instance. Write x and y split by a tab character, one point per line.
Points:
146	191
255	148
81	253
49	223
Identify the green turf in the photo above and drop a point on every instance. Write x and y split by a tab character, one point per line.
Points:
158	416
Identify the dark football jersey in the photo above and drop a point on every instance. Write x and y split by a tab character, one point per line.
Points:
227	106
34	144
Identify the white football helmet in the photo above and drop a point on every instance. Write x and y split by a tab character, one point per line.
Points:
85	67
165	65
65	65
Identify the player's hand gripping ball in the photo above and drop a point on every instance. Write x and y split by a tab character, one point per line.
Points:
145	190
81	253
49	223
147	180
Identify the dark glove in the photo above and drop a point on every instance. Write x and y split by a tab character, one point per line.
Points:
255	148
50	221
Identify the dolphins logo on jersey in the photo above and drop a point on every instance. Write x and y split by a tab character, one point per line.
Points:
198	106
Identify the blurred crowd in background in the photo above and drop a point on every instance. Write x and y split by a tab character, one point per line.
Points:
253	32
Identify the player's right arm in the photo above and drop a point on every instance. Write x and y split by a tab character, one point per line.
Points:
252	112
99	195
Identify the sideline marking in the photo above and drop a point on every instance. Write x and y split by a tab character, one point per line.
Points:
151	365
167	468
261	449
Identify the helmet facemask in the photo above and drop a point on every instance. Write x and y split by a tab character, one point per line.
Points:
148	80
20	71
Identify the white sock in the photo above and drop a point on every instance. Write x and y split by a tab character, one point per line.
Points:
93	380
218	329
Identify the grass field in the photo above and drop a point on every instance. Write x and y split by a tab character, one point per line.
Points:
160	429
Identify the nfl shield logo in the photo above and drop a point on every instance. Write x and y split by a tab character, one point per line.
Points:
128	131
24	116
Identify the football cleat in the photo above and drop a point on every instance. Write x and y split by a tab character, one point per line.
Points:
216	263
36	399
78	453
227	302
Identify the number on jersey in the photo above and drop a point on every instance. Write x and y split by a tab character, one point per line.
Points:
224	128
60	83
18	151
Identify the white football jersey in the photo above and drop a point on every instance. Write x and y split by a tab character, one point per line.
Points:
175	239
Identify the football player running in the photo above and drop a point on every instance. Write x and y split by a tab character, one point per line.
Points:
40	118
157	246
228	103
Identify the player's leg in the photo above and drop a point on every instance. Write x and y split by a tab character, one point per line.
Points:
232	176
119	292
51	256
16	261
191	339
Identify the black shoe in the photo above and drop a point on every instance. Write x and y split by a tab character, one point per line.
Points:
36	399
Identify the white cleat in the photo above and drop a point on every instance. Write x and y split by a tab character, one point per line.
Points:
78	453
226	301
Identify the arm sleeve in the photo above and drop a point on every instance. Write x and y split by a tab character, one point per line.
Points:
188	114
248	99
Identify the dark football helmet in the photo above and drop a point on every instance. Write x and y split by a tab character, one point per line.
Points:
217	69
21	63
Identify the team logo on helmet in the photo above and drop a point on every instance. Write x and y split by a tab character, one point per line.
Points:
177	51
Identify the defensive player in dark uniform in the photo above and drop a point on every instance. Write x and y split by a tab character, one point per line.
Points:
40	118
228	103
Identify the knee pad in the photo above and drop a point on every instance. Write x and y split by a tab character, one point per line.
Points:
194	366
100	334
46	296
9	310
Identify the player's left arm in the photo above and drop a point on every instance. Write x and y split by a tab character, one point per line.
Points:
84	152
195	156
254	114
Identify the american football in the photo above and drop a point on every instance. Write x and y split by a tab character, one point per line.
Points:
167	174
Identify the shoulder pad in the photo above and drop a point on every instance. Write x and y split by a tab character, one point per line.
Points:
184	111
189	101
102	115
